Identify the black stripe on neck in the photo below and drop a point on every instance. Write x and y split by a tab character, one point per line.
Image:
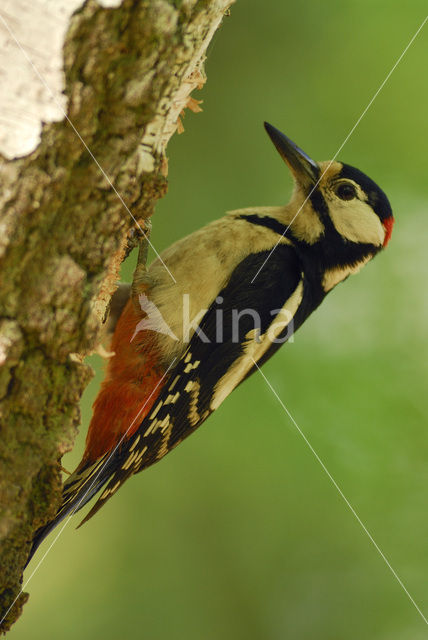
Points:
265	221
319	204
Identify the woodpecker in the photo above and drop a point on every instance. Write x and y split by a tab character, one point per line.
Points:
250	279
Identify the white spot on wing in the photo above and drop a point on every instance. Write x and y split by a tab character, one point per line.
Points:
191	366
139	457
134	444
130	460
171	399
152	426
174	382
154	412
189	386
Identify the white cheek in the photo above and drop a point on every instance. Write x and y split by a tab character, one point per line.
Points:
357	222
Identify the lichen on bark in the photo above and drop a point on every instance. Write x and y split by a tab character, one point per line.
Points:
65	211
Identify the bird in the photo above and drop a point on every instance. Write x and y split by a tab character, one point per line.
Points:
213	308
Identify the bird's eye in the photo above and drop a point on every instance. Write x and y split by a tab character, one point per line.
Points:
346	191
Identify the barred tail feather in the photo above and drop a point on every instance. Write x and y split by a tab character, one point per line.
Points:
79	488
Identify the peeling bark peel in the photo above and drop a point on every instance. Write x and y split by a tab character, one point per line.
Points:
129	70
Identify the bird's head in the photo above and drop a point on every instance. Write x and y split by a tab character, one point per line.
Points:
334	202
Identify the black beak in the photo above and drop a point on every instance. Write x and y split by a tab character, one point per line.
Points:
305	170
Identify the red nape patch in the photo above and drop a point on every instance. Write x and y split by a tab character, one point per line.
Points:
388	223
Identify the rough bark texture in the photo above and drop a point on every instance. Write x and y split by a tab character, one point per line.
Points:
129	72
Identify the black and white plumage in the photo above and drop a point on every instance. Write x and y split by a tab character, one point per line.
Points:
279	262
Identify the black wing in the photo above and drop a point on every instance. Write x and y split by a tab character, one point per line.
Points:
213	364
218	358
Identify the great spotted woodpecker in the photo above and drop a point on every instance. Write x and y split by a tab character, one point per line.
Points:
250	279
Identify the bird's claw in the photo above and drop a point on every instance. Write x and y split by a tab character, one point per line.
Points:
138	235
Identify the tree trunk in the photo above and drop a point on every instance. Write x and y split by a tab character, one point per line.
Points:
71	189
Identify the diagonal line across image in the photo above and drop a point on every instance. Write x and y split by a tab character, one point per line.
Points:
342	495
45	84
377	92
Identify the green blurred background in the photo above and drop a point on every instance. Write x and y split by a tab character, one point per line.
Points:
239	534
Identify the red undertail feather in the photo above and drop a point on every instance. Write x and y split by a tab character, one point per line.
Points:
122	402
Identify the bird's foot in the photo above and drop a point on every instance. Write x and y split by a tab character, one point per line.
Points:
138	235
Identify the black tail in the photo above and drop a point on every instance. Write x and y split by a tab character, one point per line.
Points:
79	488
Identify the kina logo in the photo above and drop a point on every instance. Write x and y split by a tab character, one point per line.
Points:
153	321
